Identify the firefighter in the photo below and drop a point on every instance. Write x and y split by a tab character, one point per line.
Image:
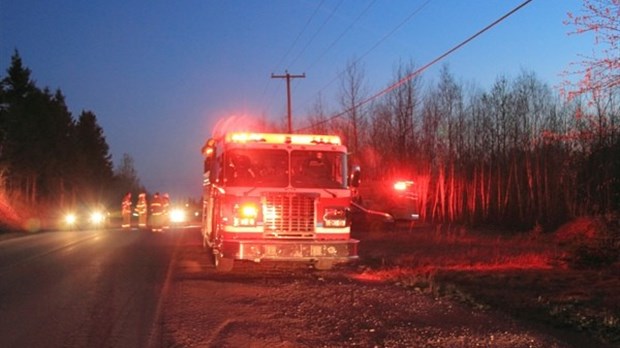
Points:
165	205
318	167
141	209
242	170
126	211
156	213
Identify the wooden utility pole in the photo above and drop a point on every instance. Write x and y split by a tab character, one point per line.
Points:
288	78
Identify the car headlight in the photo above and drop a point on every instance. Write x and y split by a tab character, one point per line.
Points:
70	219
177	215
96	218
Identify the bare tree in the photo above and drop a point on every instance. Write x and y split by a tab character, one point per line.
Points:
380	136
600	71
352	94
317	121
403	102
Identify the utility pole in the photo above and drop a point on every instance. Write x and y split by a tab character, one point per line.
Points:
288	78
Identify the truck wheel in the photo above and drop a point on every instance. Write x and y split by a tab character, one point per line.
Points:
323	265
223	264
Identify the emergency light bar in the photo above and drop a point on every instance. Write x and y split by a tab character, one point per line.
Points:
273	138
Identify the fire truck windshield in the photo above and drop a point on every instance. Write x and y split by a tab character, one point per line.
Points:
318	169
271	168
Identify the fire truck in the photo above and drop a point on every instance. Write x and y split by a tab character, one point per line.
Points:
269	196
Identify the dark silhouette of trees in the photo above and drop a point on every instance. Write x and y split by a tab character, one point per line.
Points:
126	178
94	163
45	155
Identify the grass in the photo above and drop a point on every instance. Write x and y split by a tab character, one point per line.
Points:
525	274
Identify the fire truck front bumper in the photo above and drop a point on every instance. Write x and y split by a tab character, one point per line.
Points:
337	251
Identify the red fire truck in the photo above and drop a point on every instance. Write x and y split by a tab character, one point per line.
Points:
270	196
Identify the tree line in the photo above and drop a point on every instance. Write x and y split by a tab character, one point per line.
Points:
515	155
47	156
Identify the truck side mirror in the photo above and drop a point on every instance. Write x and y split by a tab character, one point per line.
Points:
354	179
208	151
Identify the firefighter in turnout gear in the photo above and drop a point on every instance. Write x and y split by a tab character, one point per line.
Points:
141	209
126	211
157	213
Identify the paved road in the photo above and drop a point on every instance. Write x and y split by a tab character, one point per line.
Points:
83	288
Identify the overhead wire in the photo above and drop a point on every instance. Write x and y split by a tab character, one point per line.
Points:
373	47
359	16
333	43
421	69
303	29
316	33
316	10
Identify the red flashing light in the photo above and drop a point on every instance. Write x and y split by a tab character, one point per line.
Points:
402	185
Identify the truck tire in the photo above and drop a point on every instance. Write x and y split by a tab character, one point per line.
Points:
223	264
323	265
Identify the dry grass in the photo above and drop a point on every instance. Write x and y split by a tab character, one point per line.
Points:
526	275
18	215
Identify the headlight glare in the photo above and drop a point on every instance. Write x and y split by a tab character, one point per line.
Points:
177	215
246	214
96	218
70	219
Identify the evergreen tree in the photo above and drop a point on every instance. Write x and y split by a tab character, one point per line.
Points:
94	163
22	101
35	129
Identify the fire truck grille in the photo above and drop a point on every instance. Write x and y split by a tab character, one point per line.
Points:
288	216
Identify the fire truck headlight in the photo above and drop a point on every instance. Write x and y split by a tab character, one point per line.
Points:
246	214
335	217
177	216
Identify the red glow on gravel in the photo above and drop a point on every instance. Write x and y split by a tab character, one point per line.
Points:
369	277
515	263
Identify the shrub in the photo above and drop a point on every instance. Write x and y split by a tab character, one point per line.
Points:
590	242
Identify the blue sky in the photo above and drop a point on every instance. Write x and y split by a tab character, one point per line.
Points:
160	74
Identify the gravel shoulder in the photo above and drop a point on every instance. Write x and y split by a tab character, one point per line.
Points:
290	305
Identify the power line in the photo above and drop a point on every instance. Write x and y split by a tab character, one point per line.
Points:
360	15
420	70
317	32
385	37
316	10
342	34
300	33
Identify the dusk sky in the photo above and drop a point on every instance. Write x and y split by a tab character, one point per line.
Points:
160	74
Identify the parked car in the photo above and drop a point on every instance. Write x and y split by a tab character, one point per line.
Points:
84	218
